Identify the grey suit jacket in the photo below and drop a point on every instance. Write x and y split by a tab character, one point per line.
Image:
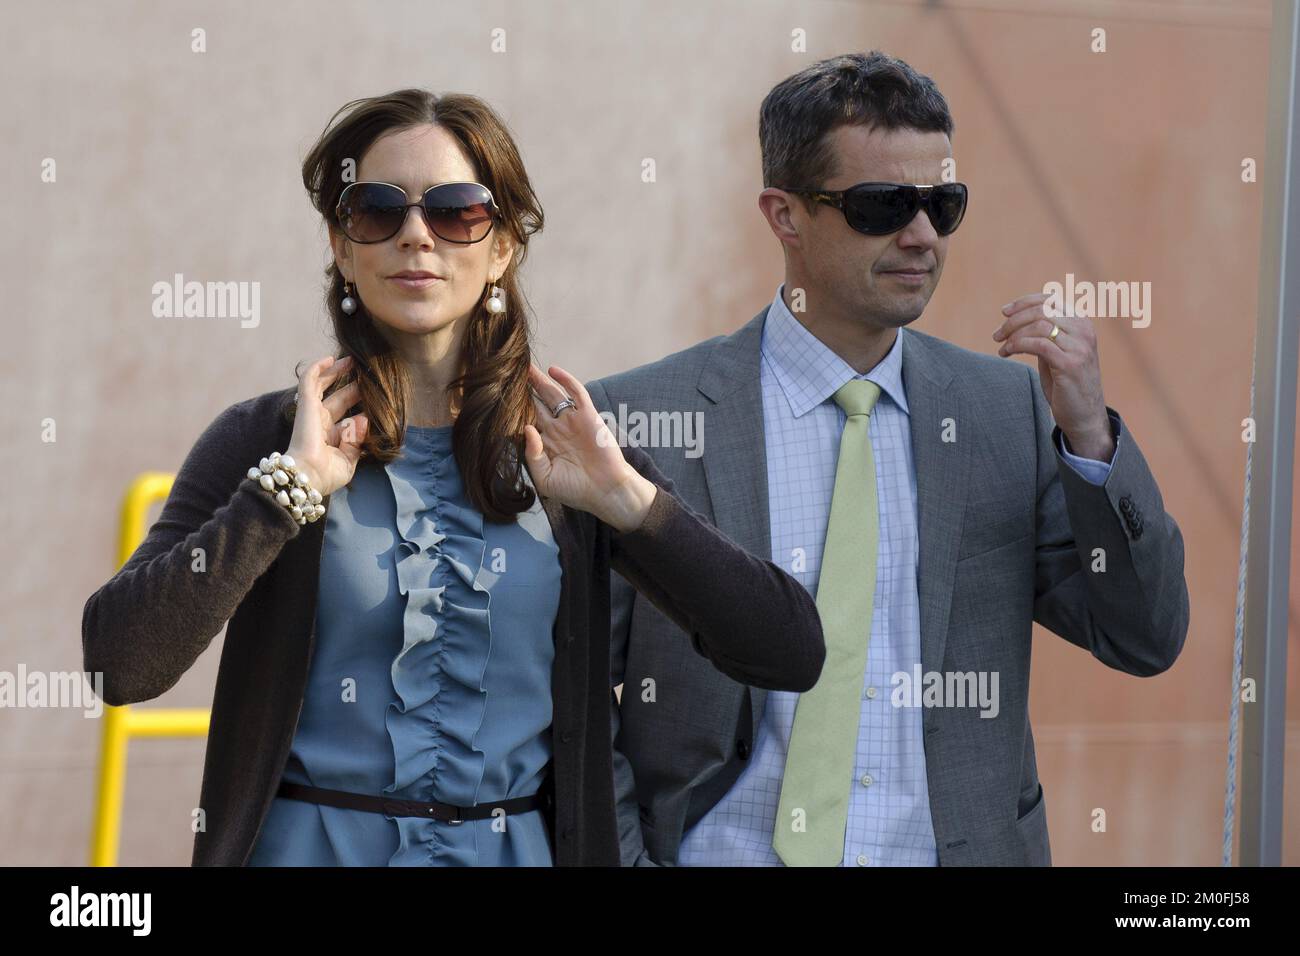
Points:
1008	535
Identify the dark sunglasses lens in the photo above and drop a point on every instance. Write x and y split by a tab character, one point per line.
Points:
947	206
371	212
878	209
459	212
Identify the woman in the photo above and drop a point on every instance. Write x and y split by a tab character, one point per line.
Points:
412	547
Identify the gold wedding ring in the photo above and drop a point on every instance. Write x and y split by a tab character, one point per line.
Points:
1056	330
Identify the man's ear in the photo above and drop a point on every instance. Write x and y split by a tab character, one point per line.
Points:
776	208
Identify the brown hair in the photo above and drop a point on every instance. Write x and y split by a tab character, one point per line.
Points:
491	397
870	89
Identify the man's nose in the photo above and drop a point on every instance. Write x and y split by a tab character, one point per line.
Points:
919	232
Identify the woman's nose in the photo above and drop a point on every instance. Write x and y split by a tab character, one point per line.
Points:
415	229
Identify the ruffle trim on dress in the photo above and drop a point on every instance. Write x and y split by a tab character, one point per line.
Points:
438	674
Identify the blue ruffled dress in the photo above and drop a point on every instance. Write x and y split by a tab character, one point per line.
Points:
431	675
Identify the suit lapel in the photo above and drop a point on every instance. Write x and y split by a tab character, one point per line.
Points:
942	468
735	461
735	468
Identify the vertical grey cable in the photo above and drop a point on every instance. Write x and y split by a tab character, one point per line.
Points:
1238	645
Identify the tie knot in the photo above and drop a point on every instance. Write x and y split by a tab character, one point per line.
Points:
857	396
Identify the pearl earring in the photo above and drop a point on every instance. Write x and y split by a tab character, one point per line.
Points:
496	303
349	304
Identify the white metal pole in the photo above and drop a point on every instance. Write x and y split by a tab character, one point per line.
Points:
1269	563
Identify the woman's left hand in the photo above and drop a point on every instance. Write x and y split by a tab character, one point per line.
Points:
576	459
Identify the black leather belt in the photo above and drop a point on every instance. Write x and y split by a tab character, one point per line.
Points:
392	806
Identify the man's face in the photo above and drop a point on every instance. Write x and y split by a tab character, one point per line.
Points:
853	272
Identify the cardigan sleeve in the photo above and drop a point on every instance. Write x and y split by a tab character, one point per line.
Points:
217	533
751	619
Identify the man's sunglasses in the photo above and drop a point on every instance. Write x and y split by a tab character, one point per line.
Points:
456	212
877	209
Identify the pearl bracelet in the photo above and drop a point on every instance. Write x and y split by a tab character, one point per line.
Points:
295	490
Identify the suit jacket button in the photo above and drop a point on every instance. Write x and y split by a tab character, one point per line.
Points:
742	749
566	736
566	833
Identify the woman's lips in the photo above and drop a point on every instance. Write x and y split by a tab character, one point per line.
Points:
409	282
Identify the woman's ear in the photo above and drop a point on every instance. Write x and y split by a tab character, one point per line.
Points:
342	252
503	250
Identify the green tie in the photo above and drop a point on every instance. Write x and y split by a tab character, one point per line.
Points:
814	808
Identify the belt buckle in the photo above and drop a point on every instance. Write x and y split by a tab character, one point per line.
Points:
403	808
455	819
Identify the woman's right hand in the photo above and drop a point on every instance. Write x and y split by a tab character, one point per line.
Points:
326	448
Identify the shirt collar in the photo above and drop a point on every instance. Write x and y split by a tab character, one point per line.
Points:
809	373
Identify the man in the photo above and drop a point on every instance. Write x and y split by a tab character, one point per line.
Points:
937	501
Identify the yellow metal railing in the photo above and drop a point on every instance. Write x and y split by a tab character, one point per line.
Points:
123	723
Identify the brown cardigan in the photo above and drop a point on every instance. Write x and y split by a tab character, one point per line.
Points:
151	621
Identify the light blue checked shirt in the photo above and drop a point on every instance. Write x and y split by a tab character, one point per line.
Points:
889	806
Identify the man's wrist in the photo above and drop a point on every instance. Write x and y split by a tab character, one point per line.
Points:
1096	444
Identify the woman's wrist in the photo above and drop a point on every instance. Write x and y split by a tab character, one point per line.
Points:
281	477
628	504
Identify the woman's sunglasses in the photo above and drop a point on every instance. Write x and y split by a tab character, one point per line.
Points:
877	209
456	212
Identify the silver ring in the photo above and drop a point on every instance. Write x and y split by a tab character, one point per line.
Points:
567	403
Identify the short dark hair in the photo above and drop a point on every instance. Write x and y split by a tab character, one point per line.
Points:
870	89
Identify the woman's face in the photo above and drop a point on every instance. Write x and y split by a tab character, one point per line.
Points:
416	159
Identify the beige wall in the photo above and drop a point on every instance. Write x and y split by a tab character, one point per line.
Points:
1116	166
